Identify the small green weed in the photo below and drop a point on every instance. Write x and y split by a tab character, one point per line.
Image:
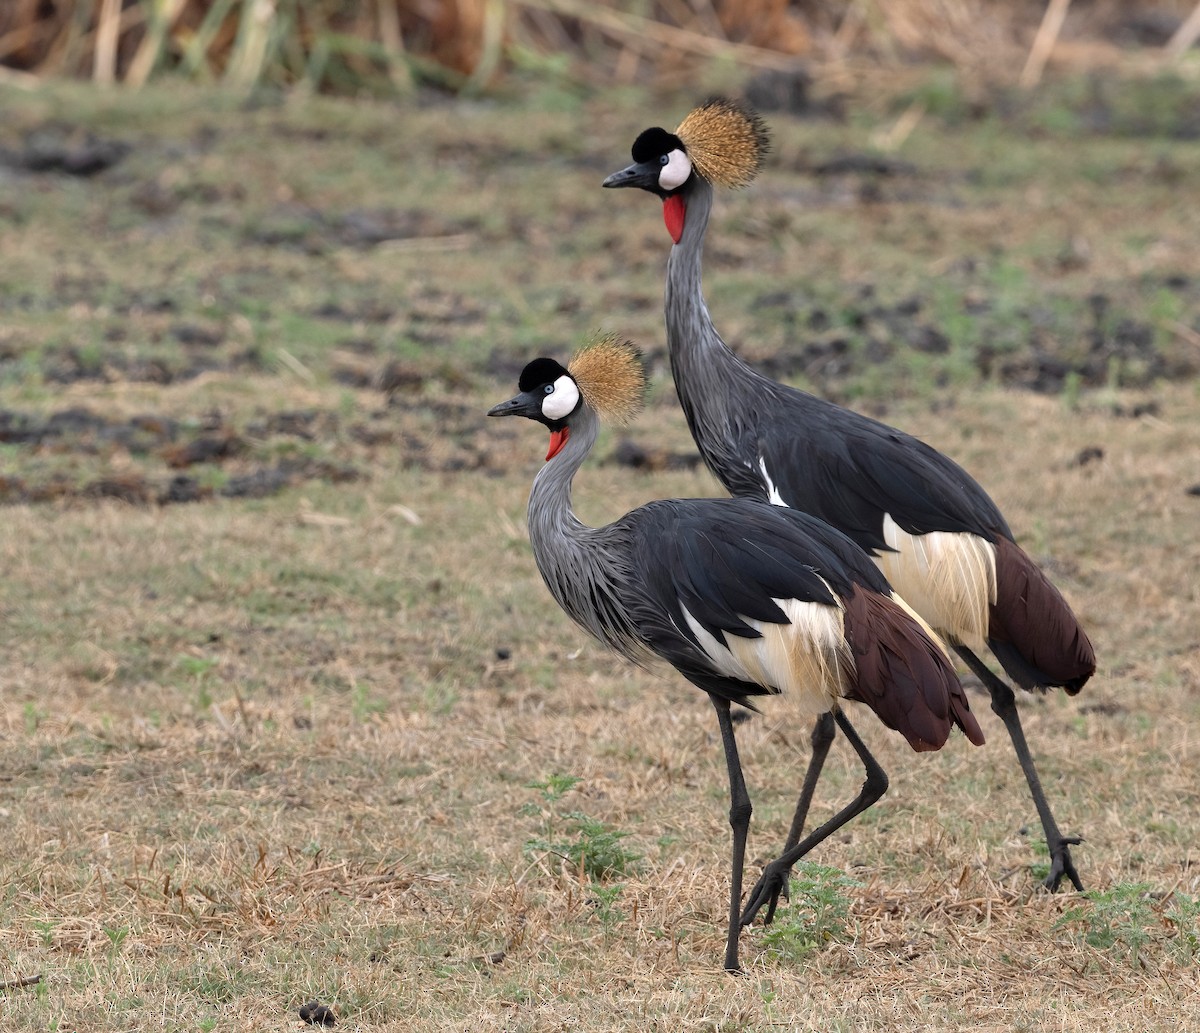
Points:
33	715
363	704
1072	383
196	665
1128	916
555	787
603	899
116	935
196	671
819	912
1184	914
46	927
595	849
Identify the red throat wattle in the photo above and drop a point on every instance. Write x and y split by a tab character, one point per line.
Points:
673	212
558	438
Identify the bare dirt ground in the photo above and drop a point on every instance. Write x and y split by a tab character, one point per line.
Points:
286	714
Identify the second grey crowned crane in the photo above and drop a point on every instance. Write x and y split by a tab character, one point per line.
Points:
747	601
933	531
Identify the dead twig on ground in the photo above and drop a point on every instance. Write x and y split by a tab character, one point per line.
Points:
21	982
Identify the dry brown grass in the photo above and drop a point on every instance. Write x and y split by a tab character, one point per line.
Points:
333	800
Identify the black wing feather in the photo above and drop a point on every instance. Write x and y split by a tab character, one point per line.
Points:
729	559
711	594
850	470
725	560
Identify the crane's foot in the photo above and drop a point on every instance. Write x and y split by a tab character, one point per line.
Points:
771	885
1061	864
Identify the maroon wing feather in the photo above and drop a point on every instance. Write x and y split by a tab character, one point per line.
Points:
1032	630
902	674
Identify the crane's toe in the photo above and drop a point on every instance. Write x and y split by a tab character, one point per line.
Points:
772	884
1061	864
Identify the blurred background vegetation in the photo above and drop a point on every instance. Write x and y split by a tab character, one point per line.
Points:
393	46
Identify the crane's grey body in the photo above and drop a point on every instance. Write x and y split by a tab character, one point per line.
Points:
931	528
676	578
745	600
763	439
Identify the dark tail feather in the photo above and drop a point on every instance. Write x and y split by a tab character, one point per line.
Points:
1031	629
903	675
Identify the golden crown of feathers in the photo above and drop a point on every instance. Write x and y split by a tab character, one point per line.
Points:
725	141
611	377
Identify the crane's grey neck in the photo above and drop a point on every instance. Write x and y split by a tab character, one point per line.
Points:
683	265
551	518
584	567
715	387
698	354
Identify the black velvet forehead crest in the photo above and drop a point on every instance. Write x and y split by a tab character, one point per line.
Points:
653	143
539	372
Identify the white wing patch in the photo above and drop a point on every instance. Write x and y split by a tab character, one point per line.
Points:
933	635
807	660
948	577
773	495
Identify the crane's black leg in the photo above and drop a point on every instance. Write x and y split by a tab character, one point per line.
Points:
823	733
1004	705
739	821
775	874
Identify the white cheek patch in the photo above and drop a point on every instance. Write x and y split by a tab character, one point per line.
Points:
676	171
562	400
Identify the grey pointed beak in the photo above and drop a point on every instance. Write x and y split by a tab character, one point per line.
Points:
644	174
522	405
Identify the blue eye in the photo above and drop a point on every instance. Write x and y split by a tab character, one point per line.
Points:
664	159
549	389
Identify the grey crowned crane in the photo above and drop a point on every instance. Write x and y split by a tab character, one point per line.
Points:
934	532
745	600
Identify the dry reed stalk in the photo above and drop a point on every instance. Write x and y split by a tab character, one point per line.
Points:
255	31
66	50
128	19
469	43
1185	37
683	13
551	29
1043	43
849	27
491	47
940	27
645	32
108	35
165	13
201	46
902	128
393	45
